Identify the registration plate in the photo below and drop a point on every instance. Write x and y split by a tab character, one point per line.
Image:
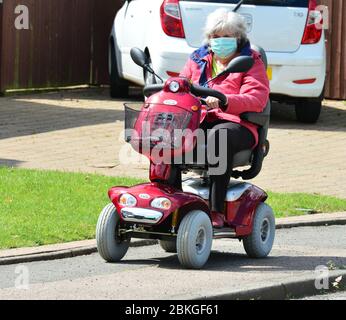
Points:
270	72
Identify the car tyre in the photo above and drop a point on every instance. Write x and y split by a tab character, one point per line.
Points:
308	110
118	89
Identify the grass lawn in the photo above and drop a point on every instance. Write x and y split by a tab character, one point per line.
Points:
45	207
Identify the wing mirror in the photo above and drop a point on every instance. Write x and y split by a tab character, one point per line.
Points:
239	64
138	57
141	59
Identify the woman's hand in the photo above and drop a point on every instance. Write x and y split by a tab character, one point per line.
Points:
212	102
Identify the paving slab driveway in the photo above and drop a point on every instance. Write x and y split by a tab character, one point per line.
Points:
81	131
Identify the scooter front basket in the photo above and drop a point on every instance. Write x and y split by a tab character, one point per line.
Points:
132	112
155	123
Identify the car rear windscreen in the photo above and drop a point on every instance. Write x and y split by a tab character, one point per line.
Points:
275	3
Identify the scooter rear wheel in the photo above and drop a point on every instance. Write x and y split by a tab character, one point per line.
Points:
109	246
194	240
260	242
169	246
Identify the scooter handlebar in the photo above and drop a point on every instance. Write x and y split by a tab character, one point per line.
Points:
207	92
198	91
152	88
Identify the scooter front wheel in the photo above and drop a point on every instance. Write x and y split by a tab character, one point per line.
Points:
194	240
109	246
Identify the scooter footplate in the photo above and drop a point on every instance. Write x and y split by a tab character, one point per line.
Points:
224	233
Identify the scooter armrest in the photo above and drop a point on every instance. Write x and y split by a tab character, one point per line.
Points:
258	118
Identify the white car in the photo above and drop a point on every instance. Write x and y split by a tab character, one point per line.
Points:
170	30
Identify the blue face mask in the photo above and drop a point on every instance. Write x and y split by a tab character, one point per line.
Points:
224	47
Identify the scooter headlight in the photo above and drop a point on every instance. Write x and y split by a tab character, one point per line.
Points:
174	86
161	203
127	200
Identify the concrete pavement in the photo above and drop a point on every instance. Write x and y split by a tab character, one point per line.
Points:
81	131
149	273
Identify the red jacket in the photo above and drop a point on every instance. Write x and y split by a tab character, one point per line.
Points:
246	92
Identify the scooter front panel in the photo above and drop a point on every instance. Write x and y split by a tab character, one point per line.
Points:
145	194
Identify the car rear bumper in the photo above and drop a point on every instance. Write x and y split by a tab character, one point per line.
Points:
309	62
284	77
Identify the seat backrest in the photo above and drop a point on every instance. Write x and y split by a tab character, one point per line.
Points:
262	119
259	118
263	54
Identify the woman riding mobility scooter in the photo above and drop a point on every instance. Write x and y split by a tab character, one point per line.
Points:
180	217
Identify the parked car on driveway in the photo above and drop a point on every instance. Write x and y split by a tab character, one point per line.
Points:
170	30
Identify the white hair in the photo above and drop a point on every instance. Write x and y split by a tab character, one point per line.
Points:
223	20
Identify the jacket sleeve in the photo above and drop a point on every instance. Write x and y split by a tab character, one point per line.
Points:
254	92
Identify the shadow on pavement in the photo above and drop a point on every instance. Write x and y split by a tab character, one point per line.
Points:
21	118
233	262
10	163
331	119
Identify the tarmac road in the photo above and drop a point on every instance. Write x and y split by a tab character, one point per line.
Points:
150	273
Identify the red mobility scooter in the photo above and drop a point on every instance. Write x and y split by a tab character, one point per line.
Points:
180	218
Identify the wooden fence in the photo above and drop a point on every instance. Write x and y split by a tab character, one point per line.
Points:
336	48
66	43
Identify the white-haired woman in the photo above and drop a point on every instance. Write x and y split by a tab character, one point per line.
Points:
226	39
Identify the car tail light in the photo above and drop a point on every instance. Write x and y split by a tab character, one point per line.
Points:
313	29
171	21
305	81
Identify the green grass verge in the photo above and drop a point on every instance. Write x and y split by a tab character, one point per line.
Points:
45	207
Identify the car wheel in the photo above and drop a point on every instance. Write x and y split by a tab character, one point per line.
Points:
118	89
260	242
109	246
169	246
194	240
308	110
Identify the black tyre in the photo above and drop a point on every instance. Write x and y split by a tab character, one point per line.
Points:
118	89
169	246
308	110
